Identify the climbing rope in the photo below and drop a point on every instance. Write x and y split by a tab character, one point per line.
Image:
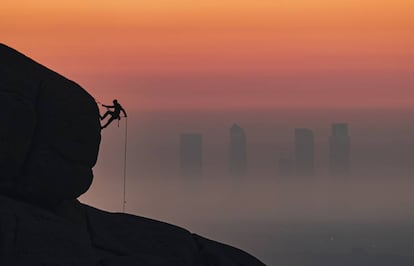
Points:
125	157
125	162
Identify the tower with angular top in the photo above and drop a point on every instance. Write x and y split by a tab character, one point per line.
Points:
339	150
238	151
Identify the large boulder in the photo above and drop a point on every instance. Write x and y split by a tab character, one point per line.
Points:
51	134
48	145
79	235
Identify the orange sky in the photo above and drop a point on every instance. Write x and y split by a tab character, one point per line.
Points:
166	54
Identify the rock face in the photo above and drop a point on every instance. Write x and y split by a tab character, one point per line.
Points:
49	143
76	234
52	136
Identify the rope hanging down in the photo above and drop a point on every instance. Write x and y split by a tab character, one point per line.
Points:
125	163
115	114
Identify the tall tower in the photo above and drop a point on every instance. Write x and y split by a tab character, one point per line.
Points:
304	152
238	153
191	154
339	150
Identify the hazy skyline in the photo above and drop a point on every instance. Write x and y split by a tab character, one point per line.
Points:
271	212
382	142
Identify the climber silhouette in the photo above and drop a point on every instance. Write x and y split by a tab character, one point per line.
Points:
115	114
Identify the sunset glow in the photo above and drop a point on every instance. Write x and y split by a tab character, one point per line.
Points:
164	54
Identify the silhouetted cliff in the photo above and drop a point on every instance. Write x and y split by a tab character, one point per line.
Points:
49	142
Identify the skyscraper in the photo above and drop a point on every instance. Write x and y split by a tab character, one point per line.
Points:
238	153
304	152
339	150
191	154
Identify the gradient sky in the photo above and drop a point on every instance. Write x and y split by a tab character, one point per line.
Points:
218	54
181	55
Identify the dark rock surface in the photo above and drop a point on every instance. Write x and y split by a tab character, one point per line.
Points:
77	234
51	140
49	143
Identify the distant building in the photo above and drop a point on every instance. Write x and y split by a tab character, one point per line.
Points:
191	154
304	152
339	150
238	151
